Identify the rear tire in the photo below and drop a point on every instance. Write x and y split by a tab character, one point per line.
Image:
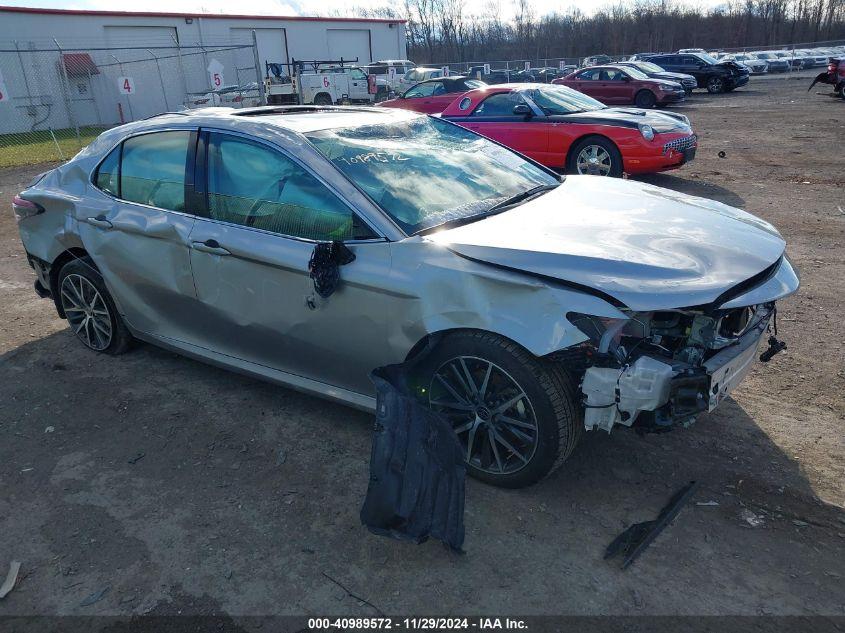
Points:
90	310
510	440
645	99
323	99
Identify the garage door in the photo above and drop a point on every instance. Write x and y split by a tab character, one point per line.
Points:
349	44
140	36
272	47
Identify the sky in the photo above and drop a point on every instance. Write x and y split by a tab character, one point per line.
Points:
314	7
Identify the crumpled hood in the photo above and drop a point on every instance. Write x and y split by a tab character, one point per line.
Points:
648	247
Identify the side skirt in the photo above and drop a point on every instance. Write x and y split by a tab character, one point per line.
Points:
254	370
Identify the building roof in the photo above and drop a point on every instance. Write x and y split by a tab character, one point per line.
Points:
153	14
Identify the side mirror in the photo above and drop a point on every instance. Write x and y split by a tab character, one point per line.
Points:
522	109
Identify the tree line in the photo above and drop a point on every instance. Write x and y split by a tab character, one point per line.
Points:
440	31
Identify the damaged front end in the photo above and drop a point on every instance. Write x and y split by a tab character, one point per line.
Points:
658	369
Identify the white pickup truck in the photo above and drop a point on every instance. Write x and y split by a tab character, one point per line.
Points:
325	86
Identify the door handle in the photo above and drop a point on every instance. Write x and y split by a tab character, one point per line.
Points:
100	222
210	246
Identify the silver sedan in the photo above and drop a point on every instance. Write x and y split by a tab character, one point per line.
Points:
529	307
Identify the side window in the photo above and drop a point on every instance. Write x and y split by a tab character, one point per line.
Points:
689	60
109	172
438	89
357	73
499	104
253	185
589	75
420	90
152	169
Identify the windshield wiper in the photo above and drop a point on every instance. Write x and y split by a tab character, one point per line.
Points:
496	208
520	197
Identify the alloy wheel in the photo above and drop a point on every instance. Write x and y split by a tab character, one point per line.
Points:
715	85
594	160
489	411
86	311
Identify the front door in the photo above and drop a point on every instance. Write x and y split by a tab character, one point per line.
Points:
495	119
265	215
137	232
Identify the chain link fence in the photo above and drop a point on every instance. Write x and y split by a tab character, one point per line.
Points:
55	99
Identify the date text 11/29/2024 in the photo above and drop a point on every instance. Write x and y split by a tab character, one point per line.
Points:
418	624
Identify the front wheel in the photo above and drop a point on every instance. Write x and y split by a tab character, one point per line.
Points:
645	99
715	85
516	416
595	156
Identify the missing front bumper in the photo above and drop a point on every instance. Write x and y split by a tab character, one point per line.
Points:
672	391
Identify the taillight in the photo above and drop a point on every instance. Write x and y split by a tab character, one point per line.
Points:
25	208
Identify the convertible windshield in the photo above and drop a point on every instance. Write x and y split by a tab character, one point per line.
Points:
562	100
426	172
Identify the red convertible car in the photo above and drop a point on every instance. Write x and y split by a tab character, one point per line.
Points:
565	129
433	95
623	85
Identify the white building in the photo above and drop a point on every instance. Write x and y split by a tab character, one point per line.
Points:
77	85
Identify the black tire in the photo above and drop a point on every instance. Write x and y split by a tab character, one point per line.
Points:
715	84
645	99
840	90
322	99
76	272
550	396
600	141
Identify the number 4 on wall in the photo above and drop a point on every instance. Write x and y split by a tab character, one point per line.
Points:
126	85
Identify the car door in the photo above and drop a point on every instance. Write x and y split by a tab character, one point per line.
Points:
495	119
617	86
265	213
359	89
137	231
587	81
420	98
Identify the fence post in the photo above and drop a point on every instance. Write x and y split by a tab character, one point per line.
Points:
66	89
181	66
160	81
128	100
262	95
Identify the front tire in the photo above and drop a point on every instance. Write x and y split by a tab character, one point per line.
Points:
645	99
595	156
715	85
90	310
516	416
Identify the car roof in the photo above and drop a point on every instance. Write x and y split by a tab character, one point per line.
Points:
300	119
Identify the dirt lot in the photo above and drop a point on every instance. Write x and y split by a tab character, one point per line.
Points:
209	521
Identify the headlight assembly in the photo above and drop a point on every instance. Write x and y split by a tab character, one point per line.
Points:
647	131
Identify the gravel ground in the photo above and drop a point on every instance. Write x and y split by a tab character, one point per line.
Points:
159	478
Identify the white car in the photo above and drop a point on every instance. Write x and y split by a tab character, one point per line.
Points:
416	75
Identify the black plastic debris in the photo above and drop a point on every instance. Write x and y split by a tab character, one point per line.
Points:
417	471
634	541
324	266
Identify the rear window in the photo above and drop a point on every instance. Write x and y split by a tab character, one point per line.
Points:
152	169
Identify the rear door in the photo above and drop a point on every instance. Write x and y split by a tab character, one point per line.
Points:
136	230
617	86
265	213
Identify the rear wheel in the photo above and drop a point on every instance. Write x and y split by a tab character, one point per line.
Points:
715	84
322	99
89	309
645	99
515	415
595	156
